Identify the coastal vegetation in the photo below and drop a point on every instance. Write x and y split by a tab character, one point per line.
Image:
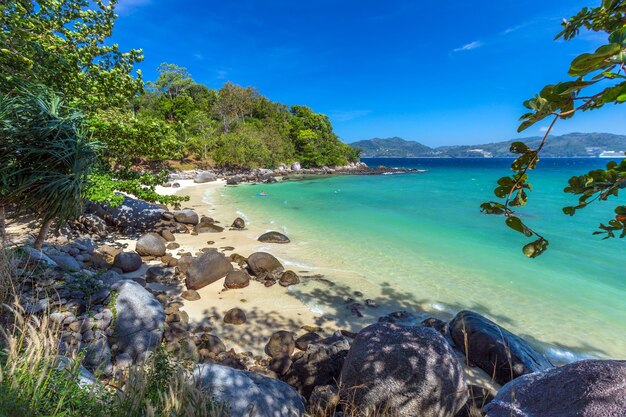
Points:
98	318
599	80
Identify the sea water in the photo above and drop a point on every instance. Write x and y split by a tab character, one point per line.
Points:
420	240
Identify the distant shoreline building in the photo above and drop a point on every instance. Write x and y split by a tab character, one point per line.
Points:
612	154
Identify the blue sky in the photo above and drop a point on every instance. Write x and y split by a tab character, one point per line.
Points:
441	73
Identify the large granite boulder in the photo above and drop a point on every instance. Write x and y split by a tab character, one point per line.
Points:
139	319
320	364
211	266
131	216
265	266
127	261
273	237
150	245
591	388
494	349
204	176
187	216
249	394
66	263
407	371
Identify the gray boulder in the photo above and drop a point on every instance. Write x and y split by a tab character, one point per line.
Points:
203	177
591	388
281	343
296	166
265	266
249	394
84	378
139	320
187	216
494	349
97	356
150	245
67	263
206	269
131	216
127	261
273	237
38	256
320	364
407	371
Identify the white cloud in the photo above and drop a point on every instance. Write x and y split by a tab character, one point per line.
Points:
469	46
543	129
347	115
221	74
198	56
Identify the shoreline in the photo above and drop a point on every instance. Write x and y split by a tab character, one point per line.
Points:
269	309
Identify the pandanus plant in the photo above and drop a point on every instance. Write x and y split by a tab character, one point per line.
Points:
46	158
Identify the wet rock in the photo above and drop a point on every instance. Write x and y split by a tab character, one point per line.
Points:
239	224
237	279
235	316
494	349
289	278
127	261
411	371
590	388
150	245
206	269
273	237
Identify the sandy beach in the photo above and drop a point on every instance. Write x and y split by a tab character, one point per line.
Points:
269	309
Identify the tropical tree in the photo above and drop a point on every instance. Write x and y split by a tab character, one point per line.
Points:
598	79
49	156
61	44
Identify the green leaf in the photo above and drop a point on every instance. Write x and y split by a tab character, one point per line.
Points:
516	224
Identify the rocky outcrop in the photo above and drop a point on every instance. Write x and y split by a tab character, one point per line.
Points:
320	364
273	237
406	371
206	269
127	261
249	394
494	349
281	343
150	245
591	388
265	266
131	216
139	319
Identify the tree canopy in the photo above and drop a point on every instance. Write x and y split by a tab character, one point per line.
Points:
599	79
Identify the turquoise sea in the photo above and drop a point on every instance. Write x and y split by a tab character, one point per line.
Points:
419	242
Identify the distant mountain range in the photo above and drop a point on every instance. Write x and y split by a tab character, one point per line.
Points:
569	145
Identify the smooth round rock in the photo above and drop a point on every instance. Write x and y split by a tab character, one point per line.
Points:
273	237
236	279
235	316
127	261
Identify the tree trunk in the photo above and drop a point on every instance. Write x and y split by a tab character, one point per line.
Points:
43	233
3	227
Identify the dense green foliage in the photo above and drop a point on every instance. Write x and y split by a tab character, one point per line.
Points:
599	79
177	119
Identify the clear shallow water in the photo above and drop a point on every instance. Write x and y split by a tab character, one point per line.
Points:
422	238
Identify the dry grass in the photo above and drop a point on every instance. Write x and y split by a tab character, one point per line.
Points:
33	384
